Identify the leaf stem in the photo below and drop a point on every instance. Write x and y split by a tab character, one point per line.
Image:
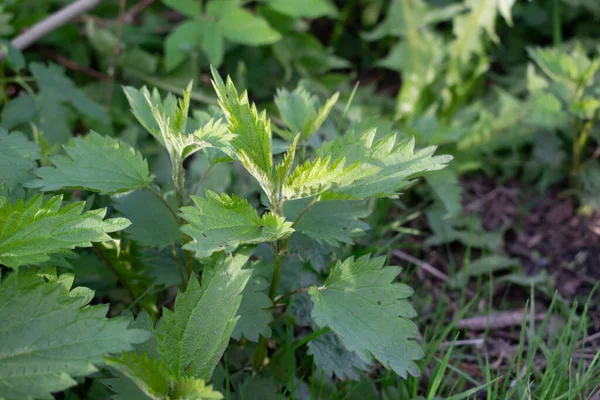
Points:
112	268
310	337
162	200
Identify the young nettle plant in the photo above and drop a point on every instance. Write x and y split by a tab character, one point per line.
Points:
313	204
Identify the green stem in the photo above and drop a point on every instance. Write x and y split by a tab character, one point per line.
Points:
556	25
261	348
579	142
310	337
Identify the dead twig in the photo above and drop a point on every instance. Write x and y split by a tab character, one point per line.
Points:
53	22
421	264
498	320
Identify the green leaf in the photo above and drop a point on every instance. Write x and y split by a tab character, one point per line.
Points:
189	8
332	221
30	232
54	83
145	372
19	110
167	121
241	26
151	377
331	356
299	111
193	337
361	303
304	8
50	334
223	223
385	167
95	163
313	178
181	42
252	142
447	189
17	158
254	313
146	212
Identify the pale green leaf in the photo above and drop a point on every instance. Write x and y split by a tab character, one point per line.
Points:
304	8
331	356
223	223
385	166
331	221
193	337
313	178
146	212
252	142
254	313
95	163
31	231
366	308
147	373
50	334
152	378
241	26
17	158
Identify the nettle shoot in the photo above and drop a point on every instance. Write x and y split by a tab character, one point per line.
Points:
253	259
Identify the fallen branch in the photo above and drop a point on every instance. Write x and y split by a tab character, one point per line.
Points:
421	264
499	320
53	22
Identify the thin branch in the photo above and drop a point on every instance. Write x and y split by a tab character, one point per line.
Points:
50	24
290	294
162	200
113	270
421	264
73	65
305	210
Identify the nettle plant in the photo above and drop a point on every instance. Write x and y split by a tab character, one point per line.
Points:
359	313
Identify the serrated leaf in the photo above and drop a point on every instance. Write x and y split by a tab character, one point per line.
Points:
241	26
17	158
146	212
31	231
167	121
151	377
254	313
252	142
223	223
193	337
331	356
50	334
316	177
95	163
333	222
299	111
385	166
304	8
57	86
361	303
145	372
447	189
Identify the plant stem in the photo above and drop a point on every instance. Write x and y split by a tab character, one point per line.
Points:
579	142
162	200
261	348
556	25
112	268
310	337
